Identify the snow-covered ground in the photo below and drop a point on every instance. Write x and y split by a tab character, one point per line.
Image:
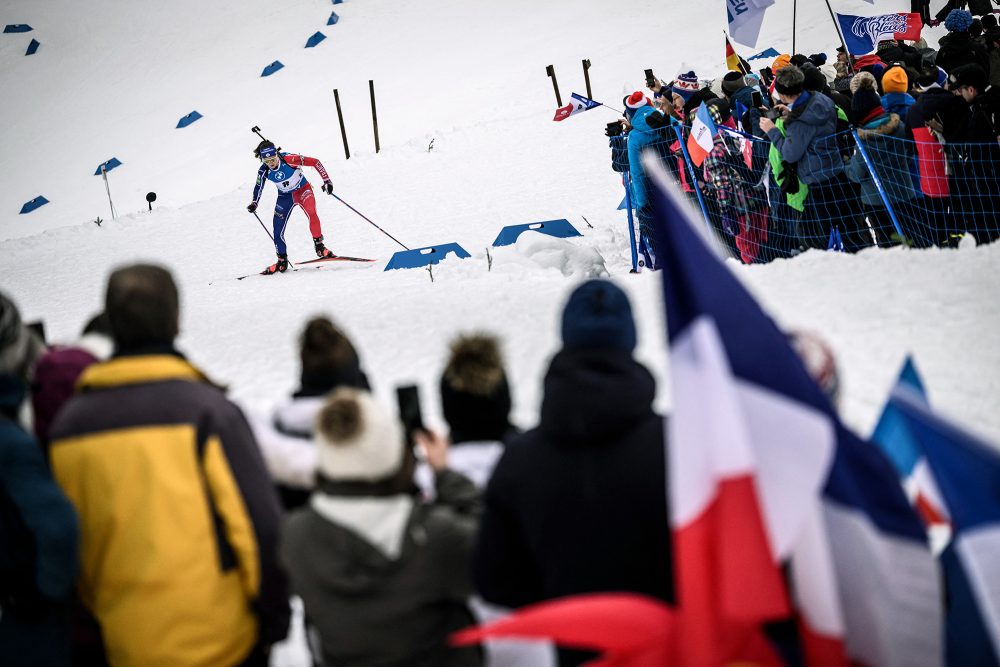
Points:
112	79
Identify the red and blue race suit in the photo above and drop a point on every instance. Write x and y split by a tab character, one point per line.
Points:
293	190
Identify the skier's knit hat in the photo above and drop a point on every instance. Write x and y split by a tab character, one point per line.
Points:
895	80
686	85
733	81
598	314
475	397
781	62
958	20
359	440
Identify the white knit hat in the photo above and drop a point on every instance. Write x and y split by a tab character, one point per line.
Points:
830	72
359	440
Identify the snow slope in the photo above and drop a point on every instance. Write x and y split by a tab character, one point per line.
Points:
113	78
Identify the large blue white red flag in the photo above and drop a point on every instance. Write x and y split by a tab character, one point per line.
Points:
967	471
577	104
745	18
863	33
762	474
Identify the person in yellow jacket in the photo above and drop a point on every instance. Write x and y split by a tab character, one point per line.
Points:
178	517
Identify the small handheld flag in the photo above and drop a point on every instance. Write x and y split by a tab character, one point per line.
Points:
577	104
702	137
863	33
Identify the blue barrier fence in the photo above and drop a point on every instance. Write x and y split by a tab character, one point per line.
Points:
880	189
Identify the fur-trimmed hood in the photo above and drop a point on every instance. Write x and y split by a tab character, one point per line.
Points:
883	125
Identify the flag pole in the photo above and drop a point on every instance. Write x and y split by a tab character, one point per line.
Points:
795	19
840	34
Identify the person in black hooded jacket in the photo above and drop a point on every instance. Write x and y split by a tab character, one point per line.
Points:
578	504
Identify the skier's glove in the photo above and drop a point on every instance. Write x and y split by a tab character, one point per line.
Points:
328	187
252	207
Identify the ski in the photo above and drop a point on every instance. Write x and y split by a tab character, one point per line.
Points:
336	258
315	264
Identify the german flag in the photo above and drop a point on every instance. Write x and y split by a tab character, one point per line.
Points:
733	61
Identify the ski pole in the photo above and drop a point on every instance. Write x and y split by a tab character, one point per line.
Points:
368	221
268	233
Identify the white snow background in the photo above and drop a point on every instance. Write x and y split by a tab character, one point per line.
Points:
113	77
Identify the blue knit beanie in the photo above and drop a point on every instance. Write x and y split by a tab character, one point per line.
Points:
958	20
686	85
598	314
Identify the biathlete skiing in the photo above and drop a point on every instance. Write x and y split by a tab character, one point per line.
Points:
284	170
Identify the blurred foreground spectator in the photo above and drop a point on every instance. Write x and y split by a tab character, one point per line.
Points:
178	516
578	504
383	577
38	528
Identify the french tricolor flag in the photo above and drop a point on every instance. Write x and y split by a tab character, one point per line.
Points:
967	472
577	104
778	512
893	435
702	137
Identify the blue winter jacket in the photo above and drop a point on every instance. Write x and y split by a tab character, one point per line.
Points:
897	103
35	509
884	139
809	140
641	136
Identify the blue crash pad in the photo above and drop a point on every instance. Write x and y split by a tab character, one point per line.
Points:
188	119
417	257
315	39
17	27
33	204
32	47
333	18
769	53
272	68
109	165
560	229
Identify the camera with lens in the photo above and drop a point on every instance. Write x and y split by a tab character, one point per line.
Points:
614	129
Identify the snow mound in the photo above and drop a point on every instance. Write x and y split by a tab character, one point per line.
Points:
576	258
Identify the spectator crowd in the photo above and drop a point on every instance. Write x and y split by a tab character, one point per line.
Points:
896	147
147	520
